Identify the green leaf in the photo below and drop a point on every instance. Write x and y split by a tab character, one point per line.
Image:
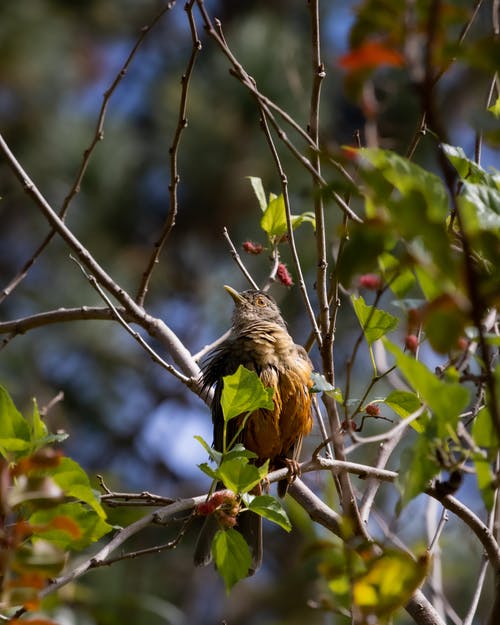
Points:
418	465
388	582
38	429
495	108
375	323
69	525
445	399
405	403
215	455
270	508
239	451
409	178
484	432
240	476
321	385
485	477
480	206
15	435
244	392
399	278
232	556
467	169
258	189
273	221
208	470
73	480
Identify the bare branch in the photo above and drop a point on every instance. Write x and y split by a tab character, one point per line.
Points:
182	123
155	327
238	261
98	136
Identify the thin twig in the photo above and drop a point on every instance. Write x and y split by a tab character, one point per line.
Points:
182	122
155	327
291	237
264	103
237	259
155	356
98	136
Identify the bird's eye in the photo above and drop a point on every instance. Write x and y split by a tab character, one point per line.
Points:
261	301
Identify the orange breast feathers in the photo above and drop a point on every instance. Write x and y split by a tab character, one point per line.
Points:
272	434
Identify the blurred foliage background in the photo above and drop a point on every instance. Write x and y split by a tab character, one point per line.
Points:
127	419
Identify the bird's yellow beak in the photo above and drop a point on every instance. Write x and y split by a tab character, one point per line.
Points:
234	294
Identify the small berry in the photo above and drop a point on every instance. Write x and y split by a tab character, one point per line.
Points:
411	343
370	281
283	276
373	410
252	248
463	343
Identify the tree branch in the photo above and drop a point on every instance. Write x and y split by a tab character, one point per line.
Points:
182	123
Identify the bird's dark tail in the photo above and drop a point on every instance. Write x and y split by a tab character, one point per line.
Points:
250	527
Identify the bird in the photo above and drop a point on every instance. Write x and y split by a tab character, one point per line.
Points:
259	340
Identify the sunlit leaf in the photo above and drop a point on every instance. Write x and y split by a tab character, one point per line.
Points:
389	582
484	432
445	399
213	453
374	322
418	465
73	480
14	430
258	189
244	392
273	221
405	403
270	508
485	479
232	556
495	108
240	476
480	206
69	525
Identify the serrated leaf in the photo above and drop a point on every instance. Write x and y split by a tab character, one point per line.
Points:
399	278
467	169
258	189
14	430
388	582
484	432
244	392
239	451
73	480
418	465
485	478
37	426
69	525
480	207
404	403
240	476
495	108
231	556
215	455
270	508
375	323
208	470
273	221
445	399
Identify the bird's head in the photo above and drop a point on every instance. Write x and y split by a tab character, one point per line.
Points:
253	308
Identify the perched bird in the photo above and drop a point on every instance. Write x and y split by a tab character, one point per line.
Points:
259	341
